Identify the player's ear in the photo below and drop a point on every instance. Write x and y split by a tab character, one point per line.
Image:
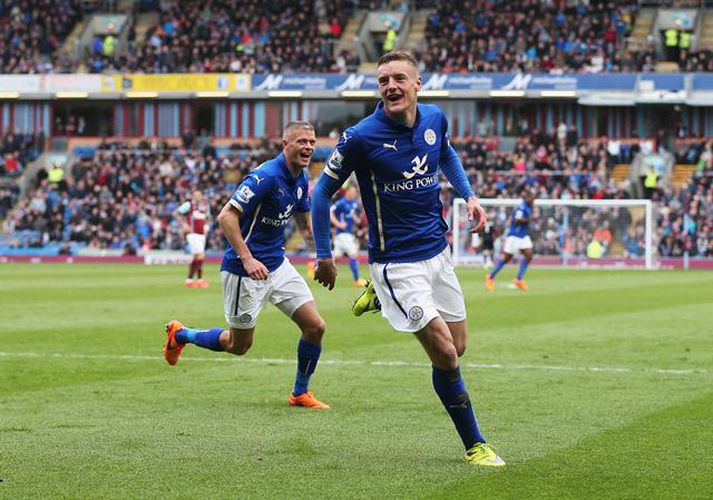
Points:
419	82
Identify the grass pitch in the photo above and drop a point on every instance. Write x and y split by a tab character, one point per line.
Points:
593	384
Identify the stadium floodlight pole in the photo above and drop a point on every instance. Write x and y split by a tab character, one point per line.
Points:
458	218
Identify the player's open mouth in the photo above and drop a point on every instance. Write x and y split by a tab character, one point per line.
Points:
305	156
394	97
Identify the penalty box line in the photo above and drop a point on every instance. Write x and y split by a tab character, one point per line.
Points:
353	362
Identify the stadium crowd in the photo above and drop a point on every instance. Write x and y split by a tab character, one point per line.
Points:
250	36
33	33
527	35
242	36
124	198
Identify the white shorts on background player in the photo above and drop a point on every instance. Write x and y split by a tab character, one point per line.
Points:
346	244
414	293
513	244
196	243
244	297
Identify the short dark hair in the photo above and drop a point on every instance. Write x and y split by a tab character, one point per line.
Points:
397	55
303	124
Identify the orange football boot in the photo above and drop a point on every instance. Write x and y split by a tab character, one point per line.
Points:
489	283
172	349
307	400
520	284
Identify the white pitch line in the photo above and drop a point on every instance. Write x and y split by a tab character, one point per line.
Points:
353	362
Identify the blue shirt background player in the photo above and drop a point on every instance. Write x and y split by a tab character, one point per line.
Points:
345	211
520	220
343	216
517	239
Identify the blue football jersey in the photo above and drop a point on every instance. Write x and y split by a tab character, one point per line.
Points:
397	168
346	211
266	199
522	211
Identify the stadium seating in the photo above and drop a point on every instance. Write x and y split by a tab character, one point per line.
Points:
243	36
526	35
32	34
141	189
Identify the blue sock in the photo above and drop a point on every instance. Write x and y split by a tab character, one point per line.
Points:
450	388
209	339
498	266
354	266
523	269
307	357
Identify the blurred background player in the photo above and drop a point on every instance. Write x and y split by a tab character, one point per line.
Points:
255	270
343	215
485	241
196	227
517	240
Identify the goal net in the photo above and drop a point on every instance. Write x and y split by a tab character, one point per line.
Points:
612	233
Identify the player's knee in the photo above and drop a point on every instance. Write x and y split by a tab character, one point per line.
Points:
239	348
460	349
448	357
314	332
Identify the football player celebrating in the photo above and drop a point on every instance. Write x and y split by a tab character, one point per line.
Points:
397	154
254	269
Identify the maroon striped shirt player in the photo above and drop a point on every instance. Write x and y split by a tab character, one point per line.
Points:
197	213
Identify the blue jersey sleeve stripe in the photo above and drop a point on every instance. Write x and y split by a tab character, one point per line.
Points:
324	189
252	224
379	222
391	291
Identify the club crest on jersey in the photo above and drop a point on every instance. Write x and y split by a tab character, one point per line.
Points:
299	192
415	313
429	136
420	167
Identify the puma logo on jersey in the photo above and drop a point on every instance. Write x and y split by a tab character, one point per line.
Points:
419	167
392	146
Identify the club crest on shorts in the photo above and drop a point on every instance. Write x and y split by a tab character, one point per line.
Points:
245	318
415	313
429	136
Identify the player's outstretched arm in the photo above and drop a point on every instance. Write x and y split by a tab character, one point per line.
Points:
454	172
229	220
326	271
476	215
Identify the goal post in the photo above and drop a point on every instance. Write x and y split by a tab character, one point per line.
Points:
606	233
